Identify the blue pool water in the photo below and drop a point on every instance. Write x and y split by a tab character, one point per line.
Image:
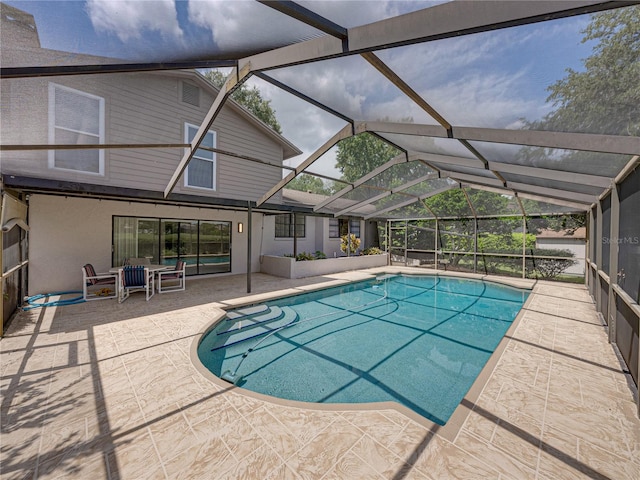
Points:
417	340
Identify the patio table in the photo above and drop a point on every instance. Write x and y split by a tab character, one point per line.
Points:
152	268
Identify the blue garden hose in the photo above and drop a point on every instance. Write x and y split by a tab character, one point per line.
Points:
31	301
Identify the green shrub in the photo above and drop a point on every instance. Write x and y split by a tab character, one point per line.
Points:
548	268
305	256
372	251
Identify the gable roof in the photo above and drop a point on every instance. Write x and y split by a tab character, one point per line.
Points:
20	41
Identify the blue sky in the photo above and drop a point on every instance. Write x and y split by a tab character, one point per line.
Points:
489	80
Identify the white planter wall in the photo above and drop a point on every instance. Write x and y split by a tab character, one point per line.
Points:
287	267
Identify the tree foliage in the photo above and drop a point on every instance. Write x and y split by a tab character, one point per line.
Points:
309	183
360	154
605	97
250	98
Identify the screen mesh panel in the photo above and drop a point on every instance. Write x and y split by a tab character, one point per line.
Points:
629	236
606	233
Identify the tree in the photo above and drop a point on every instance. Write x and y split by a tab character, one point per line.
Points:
250	98
362	153
605	97
309	183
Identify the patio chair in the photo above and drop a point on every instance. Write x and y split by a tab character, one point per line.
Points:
98	286
172	280
135	278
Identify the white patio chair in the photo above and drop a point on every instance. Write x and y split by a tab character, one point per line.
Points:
173	280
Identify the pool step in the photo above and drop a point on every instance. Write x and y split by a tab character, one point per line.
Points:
237	321
280	317
247	311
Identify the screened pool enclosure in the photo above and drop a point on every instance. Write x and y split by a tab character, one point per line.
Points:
459	130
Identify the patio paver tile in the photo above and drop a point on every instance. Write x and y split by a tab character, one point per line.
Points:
106	390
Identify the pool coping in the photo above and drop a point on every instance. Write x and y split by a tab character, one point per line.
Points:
450	430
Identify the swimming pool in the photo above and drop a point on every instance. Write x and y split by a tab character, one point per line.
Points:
420	341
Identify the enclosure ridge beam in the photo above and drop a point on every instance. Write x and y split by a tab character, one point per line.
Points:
548	174
414	129
394	161
555	201
531	196
588	142
553	192
233	81
453	19
345	132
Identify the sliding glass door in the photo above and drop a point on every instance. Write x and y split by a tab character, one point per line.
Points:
204	245
215	247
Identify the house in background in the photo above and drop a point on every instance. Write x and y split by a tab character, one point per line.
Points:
102	206
573	240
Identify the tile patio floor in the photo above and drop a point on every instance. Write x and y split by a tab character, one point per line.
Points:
102	390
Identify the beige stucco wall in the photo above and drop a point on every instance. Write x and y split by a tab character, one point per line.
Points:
68	232
577	246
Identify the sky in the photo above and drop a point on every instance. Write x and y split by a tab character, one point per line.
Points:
495	79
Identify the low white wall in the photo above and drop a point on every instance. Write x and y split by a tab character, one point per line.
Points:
287	267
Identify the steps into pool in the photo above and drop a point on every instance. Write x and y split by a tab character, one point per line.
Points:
244	324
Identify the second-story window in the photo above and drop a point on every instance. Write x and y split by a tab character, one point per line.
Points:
75	118
201	171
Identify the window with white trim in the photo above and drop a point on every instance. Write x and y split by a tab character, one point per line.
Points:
201	171
76	118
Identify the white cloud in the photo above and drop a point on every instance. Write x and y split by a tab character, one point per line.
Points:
131	19
244	24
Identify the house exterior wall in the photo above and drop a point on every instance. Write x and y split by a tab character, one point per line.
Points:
272	245
140	108
316	238
67	233
576	246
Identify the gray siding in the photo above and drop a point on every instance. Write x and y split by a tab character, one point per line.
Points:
140	108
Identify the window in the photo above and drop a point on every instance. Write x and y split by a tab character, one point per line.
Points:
201	171
284	225
76	118
338	227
